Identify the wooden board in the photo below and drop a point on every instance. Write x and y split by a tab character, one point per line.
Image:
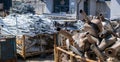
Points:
59	49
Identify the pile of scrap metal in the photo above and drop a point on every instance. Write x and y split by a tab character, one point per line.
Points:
26	24
99	40
22	8
29	38
30	46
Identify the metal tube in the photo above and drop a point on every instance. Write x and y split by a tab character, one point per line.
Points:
112	51
97	52
107	42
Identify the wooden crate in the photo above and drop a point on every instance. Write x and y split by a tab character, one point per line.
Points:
26	46
59	51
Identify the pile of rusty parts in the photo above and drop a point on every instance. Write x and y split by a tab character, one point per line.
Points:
99	40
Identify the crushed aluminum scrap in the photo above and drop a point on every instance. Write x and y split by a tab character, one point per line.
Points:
26	24
22	8
29	24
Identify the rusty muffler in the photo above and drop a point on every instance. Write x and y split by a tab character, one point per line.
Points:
106	43
97	52
91	55
113	51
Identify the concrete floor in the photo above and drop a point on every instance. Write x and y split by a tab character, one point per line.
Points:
38	58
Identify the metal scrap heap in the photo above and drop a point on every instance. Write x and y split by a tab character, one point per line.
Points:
99	40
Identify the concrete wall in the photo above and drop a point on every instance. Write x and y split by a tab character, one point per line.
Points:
48	6
108	9
39	7
81	6
92	7
115	8
104	8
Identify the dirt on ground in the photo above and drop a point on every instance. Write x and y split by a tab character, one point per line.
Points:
38	58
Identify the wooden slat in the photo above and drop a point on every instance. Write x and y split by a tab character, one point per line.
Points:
67	35
76	56
71	58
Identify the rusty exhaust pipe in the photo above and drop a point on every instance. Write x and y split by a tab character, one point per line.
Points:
97	52
113	51
91	55
106	43
84	16
118	55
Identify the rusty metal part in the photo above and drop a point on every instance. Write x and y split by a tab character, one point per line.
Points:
81	41
97	52
75	50
112	59
112	51
91	55
118	55
85	16
106	43
92	39
67	35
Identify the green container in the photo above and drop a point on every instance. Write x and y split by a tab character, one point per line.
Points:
7	48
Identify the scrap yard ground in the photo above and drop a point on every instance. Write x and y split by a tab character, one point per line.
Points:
37	58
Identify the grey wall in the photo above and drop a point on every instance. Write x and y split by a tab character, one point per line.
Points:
48	6
104	8
92	7
108	9
115	8
81	7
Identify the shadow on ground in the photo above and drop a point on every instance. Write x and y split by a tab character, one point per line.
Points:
38	58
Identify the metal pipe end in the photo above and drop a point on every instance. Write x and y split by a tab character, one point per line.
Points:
110	52
92	46
81	11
